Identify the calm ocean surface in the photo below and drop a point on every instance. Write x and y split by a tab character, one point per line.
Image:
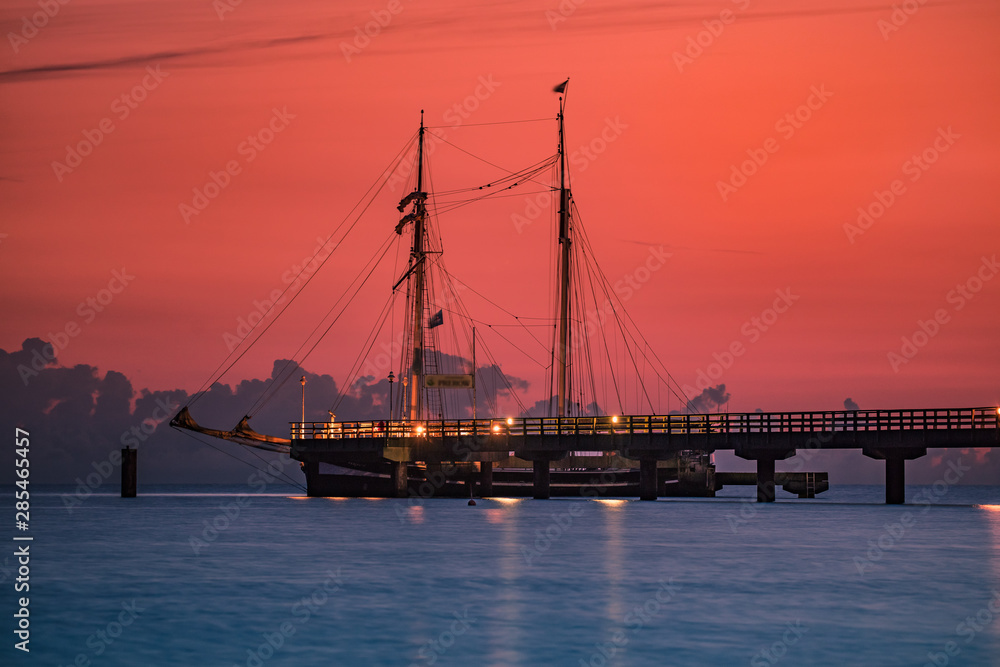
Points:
840	580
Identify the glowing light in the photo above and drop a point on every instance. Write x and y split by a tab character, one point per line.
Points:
614	502
508	501
419	429
496	428
510	420
989	508
337	498
297	497
614	419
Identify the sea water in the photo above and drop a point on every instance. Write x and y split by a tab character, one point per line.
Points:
226	576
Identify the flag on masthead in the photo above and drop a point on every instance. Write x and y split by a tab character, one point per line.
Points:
561	88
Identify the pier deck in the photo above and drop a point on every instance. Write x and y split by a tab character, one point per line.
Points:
891	435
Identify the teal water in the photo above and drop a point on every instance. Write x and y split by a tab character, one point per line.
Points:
282	580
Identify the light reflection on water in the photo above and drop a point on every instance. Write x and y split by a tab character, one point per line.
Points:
409	568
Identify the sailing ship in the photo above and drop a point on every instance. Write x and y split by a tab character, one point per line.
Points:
382	457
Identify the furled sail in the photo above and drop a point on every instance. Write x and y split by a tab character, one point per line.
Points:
242	434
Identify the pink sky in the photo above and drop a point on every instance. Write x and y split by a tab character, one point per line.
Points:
681	129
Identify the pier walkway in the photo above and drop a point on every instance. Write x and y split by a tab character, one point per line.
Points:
894	436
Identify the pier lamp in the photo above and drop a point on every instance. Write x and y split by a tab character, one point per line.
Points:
391	379
303	381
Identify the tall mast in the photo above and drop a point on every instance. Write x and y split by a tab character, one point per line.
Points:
563	340
417	259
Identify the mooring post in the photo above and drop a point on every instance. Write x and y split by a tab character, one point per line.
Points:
399	483
129	478
765	480
541	484
647	479
485	479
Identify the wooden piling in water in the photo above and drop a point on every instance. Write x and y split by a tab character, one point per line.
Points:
129	472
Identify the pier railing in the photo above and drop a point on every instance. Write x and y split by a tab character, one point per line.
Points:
751	422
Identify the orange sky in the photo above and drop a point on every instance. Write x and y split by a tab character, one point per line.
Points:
888	97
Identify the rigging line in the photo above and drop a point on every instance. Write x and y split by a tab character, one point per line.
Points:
540	164
499	122
488	300
495	195
496	166
282	472
604	339
680	397
215	375
375	260
628	348
511	343
626	333
440	208
231	455
356	366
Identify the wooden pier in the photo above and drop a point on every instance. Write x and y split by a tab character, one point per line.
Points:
894	436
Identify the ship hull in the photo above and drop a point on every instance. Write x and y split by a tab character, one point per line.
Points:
325	480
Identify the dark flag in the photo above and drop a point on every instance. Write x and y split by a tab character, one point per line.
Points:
561	88
437	319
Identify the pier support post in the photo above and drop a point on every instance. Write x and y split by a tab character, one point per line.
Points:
765	459
485	479
399	482
765	480
895	469
895	480
541	482
647	479
129	472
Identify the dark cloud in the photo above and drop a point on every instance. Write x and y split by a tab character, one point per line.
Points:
849	404
709	400
79	419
